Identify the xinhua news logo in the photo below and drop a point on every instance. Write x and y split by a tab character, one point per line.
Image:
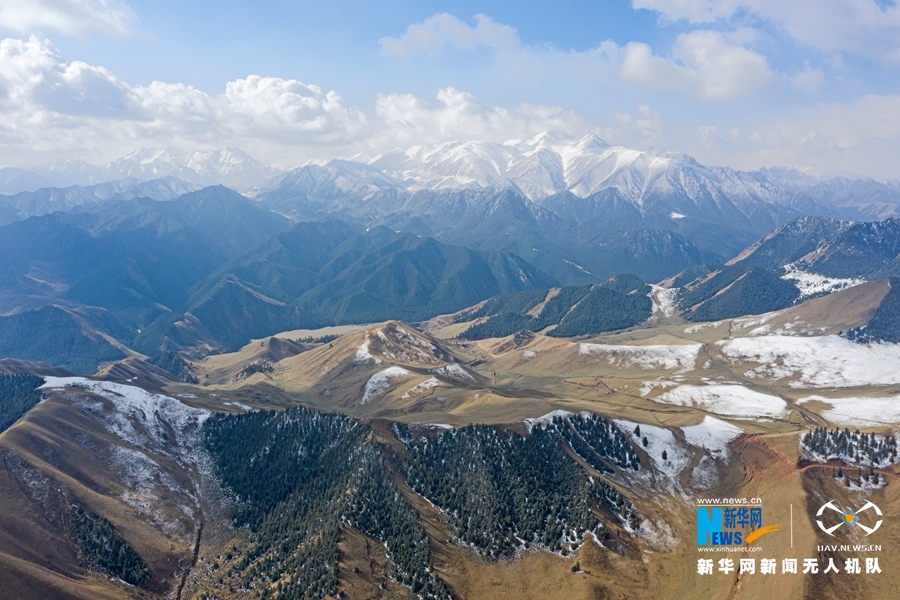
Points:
730	525
829	522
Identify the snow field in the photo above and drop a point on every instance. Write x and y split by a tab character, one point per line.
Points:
135	405
826	361
811	284
727	400
659	439
422	387
712	434
379	383
669	358
860	412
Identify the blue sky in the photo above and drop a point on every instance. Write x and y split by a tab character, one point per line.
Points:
744	83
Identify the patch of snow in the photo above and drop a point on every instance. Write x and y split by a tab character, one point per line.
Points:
455	371
761	330
701	327
712	434
754	321
726	400
363	354
244	407
422	387
659	439
649	386
528	354
546	419
663	300
705	474
860	412
379	383
138	414
675	215
825	361
577	266
811	284
681	357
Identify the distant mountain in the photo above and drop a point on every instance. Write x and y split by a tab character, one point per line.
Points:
14	181
735	291
79	198
618	303
554	201
328	273
228	166
135	258
55	336
830	248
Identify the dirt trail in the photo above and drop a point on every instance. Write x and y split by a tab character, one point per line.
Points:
187	572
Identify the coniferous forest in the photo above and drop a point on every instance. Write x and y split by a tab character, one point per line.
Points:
502	491
298	477
855	448
18	395
103	549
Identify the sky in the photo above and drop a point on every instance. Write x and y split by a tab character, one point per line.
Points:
809	84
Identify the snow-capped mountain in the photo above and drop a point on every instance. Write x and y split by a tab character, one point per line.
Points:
550	164
228	166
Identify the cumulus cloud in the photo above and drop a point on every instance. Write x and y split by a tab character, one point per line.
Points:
458	115
442	31
866	27
46	102
51	106
704	64
68	17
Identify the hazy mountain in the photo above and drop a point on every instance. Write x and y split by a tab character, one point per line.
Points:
136	258
13	181
78	198
228	166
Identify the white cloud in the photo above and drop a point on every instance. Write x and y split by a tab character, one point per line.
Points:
441	31
808	80
459	115
46	102
68	17
50	107
866	27
704	64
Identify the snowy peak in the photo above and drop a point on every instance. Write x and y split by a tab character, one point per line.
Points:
228	166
